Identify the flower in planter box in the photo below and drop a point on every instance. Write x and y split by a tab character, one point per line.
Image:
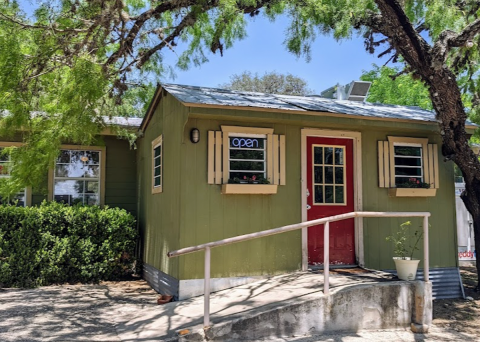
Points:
414	183
248	180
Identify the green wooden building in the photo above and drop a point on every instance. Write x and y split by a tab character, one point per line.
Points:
214	164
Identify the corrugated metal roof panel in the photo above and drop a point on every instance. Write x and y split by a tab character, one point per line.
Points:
215	96
446	282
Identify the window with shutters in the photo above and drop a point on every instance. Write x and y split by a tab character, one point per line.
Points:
246	160
157	165
408	166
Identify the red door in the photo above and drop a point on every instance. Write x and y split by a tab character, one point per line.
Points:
330	192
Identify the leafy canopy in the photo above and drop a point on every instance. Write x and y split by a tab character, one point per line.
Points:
76	60
270	83
401	90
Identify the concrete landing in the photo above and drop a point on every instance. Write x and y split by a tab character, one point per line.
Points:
282	306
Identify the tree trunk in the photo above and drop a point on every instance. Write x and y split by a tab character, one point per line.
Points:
430	65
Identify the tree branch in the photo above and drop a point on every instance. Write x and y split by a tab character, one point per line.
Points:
449	39
127	43
40	27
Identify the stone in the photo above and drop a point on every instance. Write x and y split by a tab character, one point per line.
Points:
469	298
419	328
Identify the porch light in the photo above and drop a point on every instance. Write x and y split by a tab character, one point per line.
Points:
194	135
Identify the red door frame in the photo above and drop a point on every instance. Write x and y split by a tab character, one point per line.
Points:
356	137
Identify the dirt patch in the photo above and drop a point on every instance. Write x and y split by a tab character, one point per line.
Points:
460	314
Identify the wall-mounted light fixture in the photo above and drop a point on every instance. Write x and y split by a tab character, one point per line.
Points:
194	135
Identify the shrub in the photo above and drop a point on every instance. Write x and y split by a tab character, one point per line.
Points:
55	243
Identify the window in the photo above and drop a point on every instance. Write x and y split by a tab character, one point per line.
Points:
157	171
20	199
328	174
247	158
408	165
78	176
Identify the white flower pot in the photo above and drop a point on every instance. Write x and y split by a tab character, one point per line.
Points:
406	268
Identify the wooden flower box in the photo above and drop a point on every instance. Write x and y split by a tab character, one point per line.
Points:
411	192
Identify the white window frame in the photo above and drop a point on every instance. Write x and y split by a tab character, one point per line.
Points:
156	143
405	141
264	149
101	178
421	167
27	191
230	131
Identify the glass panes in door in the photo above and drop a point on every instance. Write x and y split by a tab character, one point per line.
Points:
328	175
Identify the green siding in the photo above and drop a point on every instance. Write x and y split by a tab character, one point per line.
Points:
190	211
160	213
442	234
121	175
207	215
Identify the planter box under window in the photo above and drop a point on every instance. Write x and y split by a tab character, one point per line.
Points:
411	192
249	189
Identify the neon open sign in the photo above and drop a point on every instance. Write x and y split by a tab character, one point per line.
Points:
245	143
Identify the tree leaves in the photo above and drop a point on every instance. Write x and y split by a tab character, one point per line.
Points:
401	90
270	83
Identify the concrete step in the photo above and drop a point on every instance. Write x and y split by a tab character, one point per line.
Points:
282	306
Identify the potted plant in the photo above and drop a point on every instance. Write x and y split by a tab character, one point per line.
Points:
404	245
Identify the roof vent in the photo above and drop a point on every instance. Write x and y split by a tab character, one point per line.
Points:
355	91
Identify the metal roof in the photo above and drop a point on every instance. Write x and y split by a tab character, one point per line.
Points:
122	121
107	120
222	97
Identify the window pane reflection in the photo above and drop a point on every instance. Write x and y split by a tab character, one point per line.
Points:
77	177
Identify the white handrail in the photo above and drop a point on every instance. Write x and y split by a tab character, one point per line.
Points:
326	270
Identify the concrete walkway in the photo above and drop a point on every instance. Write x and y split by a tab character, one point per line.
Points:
128	311
231	304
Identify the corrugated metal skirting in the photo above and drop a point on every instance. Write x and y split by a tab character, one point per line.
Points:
446	282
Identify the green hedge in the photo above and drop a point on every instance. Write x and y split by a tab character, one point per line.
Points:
55	243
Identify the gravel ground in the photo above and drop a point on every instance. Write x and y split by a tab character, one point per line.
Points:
71	312
94	313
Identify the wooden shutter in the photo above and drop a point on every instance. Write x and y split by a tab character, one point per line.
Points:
431	166
276	166
384	164
215	152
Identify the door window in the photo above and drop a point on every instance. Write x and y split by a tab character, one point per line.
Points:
328	175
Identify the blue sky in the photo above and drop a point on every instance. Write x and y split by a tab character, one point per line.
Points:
263	50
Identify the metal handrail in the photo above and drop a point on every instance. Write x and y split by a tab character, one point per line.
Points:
326	270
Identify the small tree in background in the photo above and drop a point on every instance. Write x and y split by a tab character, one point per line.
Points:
270	83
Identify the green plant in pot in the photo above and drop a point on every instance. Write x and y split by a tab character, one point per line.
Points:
405	243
